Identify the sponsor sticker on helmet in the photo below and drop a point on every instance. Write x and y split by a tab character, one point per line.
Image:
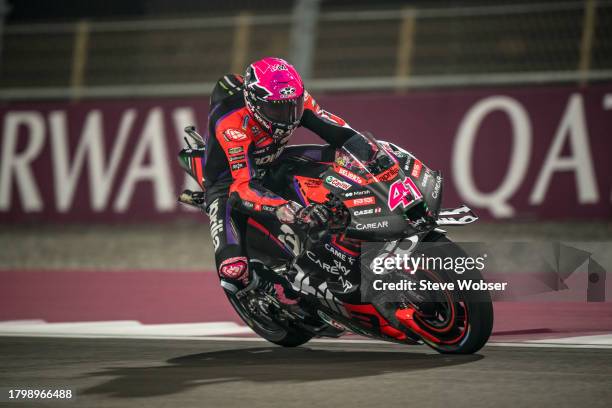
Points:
287	91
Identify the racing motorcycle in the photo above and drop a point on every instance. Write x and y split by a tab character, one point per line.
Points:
376	192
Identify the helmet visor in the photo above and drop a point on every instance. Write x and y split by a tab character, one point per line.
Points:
286	112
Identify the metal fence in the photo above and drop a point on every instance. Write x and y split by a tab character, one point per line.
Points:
381	49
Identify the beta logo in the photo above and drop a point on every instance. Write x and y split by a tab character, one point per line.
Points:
334	182
234	135
403	193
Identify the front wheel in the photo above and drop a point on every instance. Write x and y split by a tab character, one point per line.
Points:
251	313
471	333
449	321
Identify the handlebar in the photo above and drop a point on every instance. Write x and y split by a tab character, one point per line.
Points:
339	220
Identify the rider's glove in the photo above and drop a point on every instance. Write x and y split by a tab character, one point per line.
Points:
286	213
314	216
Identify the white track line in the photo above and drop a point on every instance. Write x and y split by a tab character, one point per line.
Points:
260	340
28	321
222	331
599	339
125	328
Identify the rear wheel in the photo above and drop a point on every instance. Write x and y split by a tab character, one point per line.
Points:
250	311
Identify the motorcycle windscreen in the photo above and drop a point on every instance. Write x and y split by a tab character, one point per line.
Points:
362	155
373	188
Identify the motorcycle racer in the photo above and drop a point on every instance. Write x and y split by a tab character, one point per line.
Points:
251	121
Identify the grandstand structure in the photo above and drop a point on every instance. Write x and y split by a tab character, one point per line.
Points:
338	47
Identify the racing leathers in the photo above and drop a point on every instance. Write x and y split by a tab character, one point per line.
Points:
238	150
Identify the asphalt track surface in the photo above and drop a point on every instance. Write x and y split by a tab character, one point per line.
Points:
131	372
208	373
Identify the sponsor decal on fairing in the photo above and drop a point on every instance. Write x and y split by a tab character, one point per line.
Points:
437	186
334	182
372	225
339	254
388	174
357	193
403	192
416	168
359	202
350	175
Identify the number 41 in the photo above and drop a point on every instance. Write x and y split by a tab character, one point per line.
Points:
403	192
